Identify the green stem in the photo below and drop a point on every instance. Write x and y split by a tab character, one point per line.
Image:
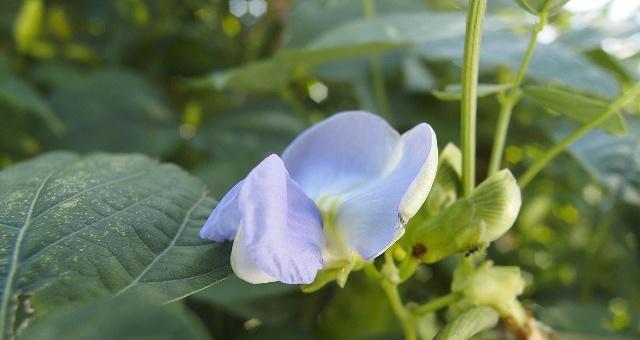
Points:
436	304
390	286
616	106
375	66
475	18
508	102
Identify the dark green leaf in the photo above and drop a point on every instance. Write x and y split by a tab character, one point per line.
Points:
22	97
118	319
114	110
79	228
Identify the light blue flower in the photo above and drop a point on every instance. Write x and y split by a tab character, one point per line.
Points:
344	188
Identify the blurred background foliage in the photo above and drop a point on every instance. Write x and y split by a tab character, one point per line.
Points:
216	85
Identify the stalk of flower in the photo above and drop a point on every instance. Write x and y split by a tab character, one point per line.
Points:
340	195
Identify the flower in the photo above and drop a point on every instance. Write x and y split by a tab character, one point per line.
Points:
343	189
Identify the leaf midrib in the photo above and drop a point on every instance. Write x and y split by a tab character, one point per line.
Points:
13	265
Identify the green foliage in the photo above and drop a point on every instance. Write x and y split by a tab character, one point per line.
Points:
80	228
109	100
188	82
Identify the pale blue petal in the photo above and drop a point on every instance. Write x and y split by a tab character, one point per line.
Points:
373	217
340	153
282	227
223	222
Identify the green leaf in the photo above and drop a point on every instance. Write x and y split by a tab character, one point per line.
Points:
484	216
613	161
118	319
535	6
22	97
271	303
576	106
285	66
362	37
233	290
80	228
114	110
469	323
454	91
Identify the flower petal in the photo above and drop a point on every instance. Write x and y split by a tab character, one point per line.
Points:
223	222
340	153
281	226
372	218
243	265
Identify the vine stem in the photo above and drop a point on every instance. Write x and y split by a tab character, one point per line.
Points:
470	67
509	101
436	304
616	106
389	284
375	66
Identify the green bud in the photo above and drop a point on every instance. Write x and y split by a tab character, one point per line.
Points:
484	216
535	7
447	185
497	287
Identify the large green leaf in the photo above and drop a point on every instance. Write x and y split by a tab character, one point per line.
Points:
114	110
79	228
552	63
365	36
271	303
576	106
118	319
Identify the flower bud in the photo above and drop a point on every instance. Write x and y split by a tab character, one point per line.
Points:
484	216
446	186
497	287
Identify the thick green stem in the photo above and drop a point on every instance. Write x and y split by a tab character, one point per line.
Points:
616	106
436	304
508	102
375	66
475	18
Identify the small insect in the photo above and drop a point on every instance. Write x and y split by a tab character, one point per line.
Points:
471	251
